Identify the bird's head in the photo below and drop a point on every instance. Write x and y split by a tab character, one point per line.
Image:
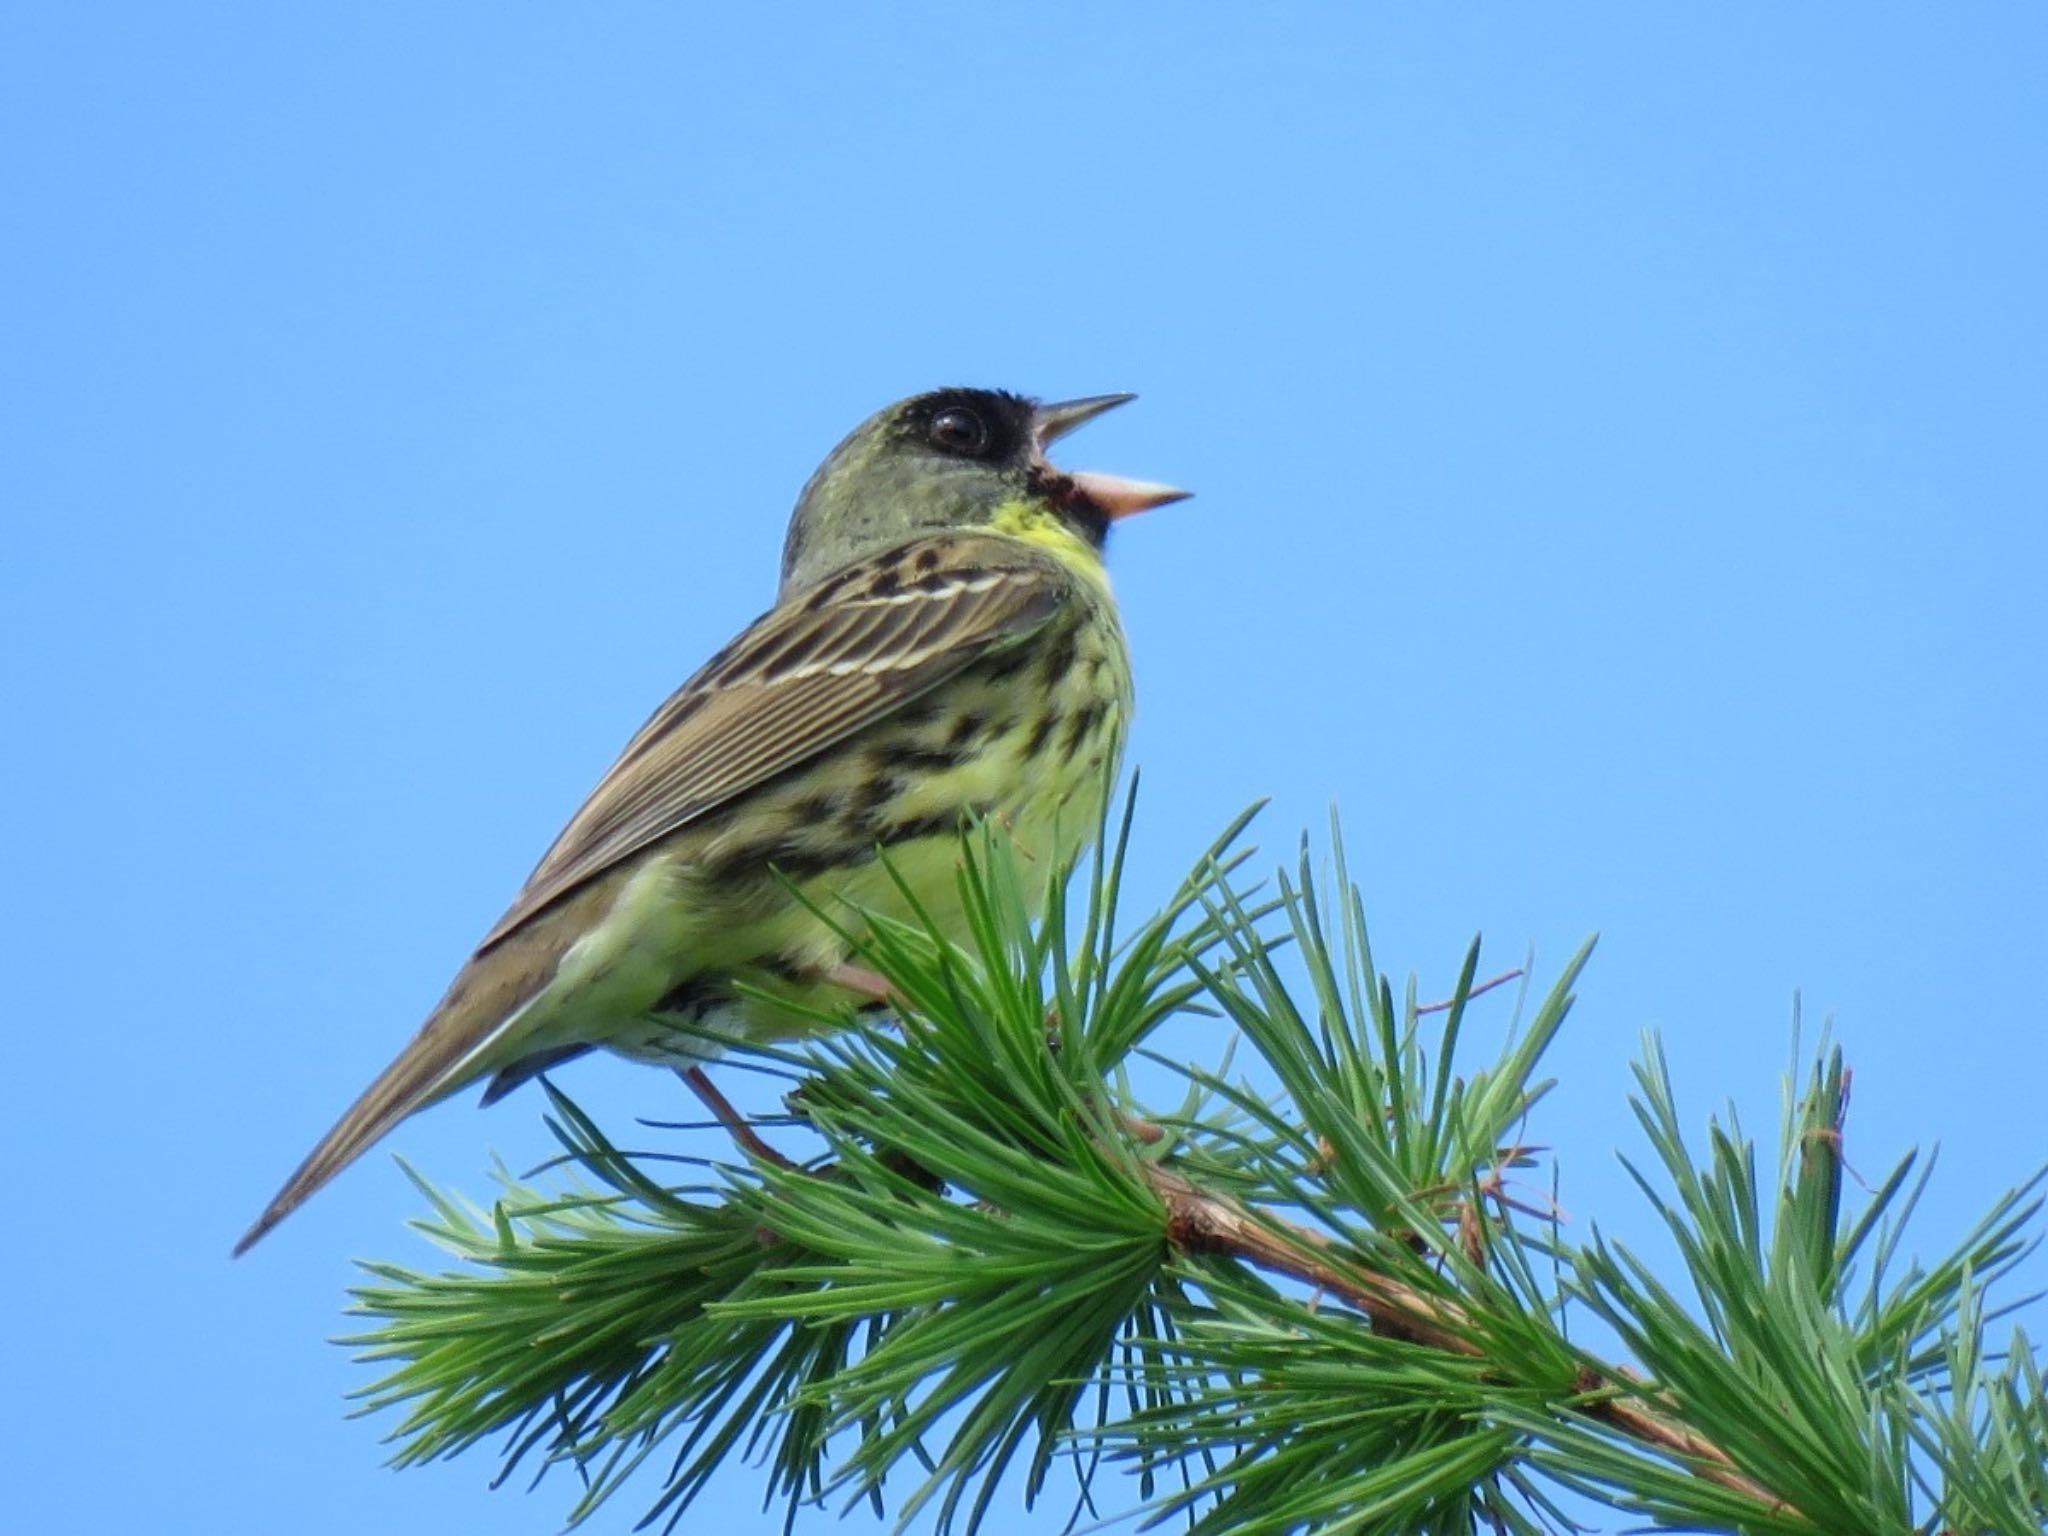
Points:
954	458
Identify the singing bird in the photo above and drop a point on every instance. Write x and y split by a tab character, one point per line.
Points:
944	644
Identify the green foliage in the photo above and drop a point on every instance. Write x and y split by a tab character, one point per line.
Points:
1317	1294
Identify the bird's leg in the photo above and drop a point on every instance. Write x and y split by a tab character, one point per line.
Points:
735	1123
859	979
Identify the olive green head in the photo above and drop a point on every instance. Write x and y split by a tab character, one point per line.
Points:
951	459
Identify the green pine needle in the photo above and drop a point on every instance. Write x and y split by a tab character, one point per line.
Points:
1321	1291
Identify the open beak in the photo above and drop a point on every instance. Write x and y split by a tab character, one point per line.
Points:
1114	494
1050	423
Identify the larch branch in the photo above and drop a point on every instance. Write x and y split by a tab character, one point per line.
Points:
1200	1221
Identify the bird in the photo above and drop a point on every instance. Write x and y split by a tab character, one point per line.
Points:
944	645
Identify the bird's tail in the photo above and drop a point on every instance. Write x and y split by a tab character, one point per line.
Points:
461	1041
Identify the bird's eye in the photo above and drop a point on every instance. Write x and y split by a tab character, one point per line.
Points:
959	430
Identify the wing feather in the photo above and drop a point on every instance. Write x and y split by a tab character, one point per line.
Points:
813	671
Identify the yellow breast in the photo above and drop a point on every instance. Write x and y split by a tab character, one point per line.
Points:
1038	525
1030	737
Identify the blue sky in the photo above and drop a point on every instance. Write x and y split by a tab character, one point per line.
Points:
1619	445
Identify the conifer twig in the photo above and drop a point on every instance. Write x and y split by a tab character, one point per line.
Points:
1200	1221
1008	1253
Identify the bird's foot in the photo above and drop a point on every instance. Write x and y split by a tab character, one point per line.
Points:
861	980
736	1126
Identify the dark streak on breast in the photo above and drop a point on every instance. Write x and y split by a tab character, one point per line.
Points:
875	792
1084	722
755	861
822	806
1059	657
938	824
1007	665
920	711
1041	732
917	757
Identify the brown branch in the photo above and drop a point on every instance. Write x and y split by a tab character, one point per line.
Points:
1481	990
1620	1406
1203	1222
1199	1221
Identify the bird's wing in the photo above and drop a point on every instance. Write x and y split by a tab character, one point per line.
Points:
807	674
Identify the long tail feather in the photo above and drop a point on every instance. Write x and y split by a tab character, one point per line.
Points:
463	1040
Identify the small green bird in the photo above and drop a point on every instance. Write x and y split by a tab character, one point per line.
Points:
943	644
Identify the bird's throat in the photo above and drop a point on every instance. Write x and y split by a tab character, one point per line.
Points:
1039	524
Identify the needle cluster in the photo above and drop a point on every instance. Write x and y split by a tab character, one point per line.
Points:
1326	1290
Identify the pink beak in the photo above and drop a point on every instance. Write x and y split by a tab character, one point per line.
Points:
1113	493
1120	497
